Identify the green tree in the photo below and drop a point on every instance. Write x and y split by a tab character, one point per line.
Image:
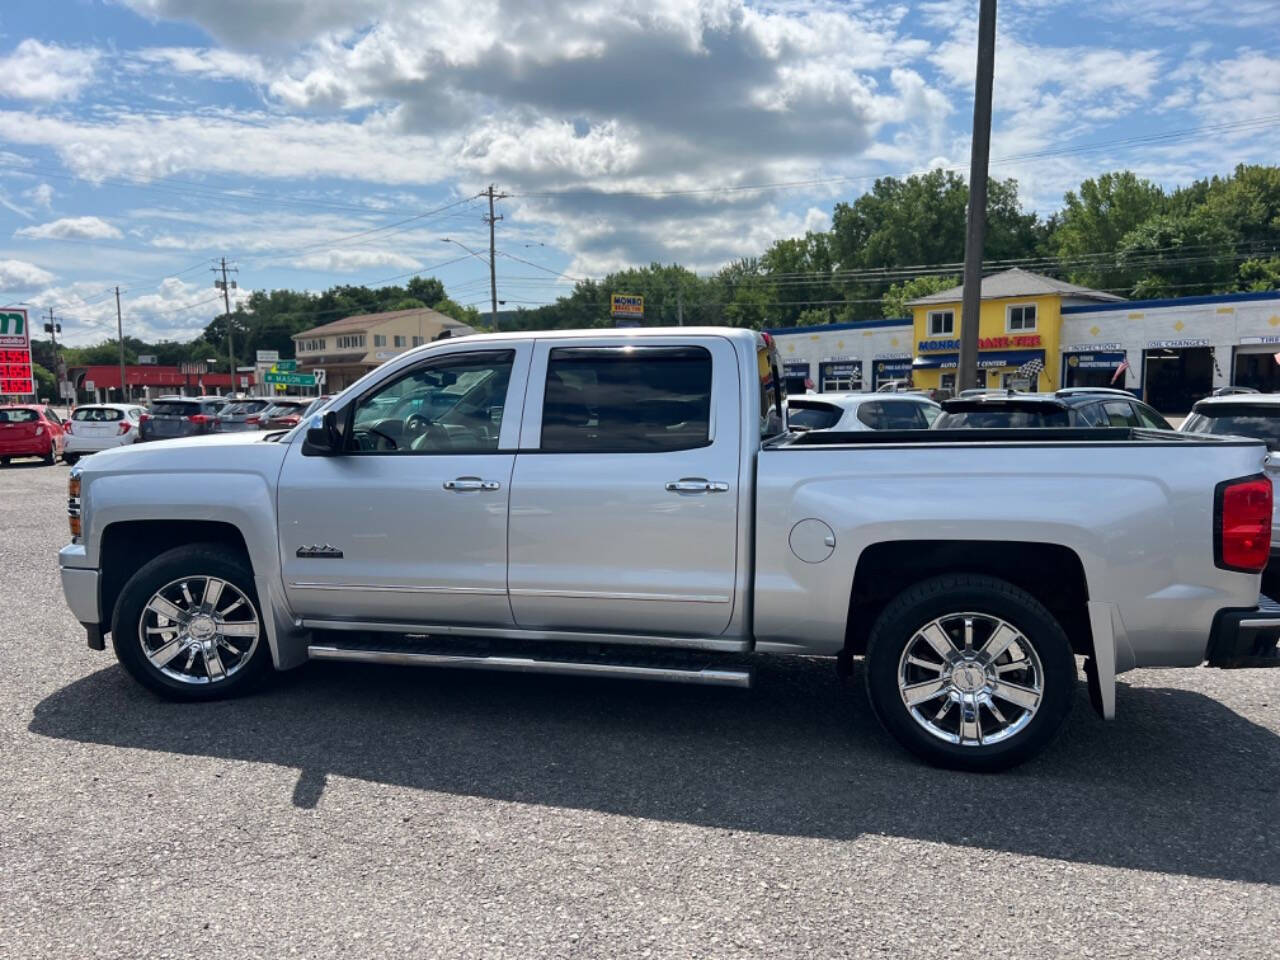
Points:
1096	220
1258	275
1178	255
894	302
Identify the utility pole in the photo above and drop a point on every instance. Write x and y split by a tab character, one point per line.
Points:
124	397
980	152
491	219
53	328
679	306
226	300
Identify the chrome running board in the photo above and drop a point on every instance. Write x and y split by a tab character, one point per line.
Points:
707	676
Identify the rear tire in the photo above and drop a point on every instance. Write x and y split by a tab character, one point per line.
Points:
70	459
51	457
970	672
181	637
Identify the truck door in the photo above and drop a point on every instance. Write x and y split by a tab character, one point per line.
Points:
624	500
409	523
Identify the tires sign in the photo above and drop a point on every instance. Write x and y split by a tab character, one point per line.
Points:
15	353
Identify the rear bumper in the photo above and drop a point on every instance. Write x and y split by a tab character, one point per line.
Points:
94	444
35	447
1246	638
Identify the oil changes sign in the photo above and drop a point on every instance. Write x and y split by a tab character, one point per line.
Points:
15	353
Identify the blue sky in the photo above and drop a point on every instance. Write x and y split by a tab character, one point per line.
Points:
315	142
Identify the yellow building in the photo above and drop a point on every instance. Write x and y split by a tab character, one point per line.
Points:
1020	320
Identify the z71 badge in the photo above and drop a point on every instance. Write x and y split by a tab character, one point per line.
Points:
314	552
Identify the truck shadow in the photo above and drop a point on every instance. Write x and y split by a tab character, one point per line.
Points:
1180	784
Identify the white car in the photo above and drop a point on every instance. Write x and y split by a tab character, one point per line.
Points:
101	426
861	411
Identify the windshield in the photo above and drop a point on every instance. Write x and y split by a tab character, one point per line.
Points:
243	409
174	409
1257	423
1003	417
97	414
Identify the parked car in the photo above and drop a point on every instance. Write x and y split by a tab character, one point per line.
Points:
1080	407
30	430
861	411
100	426
1255	415
636	491
180	418
315	405
243	414
284	413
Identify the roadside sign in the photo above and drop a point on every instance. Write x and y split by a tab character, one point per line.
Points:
290	379
244	383
268	356
90	385
147	359
626	306
67	390
15	353
285	366
320	377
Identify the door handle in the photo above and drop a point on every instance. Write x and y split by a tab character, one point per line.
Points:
697	485
471	483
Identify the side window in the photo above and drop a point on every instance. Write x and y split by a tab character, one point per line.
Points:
1090	415
1119	414
451	405
48	412
870	413
1149	418
626	399
930	413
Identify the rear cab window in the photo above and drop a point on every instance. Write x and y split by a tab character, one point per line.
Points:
628	399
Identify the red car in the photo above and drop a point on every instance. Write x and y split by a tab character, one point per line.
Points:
30	430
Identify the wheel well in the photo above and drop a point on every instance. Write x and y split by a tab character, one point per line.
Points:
126	546
1049	572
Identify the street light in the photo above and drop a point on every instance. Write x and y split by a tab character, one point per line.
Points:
479	256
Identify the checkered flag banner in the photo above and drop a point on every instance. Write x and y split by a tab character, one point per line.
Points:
1031	369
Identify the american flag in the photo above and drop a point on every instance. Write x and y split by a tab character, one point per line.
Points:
1124	365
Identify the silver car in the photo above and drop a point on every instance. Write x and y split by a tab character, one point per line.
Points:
243	414
861	411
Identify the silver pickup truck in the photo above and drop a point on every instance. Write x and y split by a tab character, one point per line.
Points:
630	503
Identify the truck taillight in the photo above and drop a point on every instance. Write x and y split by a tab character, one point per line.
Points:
1242	524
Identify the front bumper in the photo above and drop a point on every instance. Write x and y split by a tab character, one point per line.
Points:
1246	638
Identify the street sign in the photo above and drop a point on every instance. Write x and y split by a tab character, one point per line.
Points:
244	383
268	356
285	366
90	385
15	353
320	375
147	359
626	306
67	390
290	379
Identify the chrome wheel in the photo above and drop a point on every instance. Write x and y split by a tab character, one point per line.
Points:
970	679
199	629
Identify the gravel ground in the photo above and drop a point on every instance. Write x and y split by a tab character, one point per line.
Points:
373	812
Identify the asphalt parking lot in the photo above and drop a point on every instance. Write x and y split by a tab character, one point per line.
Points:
359	811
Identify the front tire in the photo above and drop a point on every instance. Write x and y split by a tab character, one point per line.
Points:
970	672
70	459
188	625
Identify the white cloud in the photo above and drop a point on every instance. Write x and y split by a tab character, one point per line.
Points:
347	261
46	72
41	195
21	275
213	63
71	228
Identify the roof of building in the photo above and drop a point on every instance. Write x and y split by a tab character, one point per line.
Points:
1016	283
364	321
